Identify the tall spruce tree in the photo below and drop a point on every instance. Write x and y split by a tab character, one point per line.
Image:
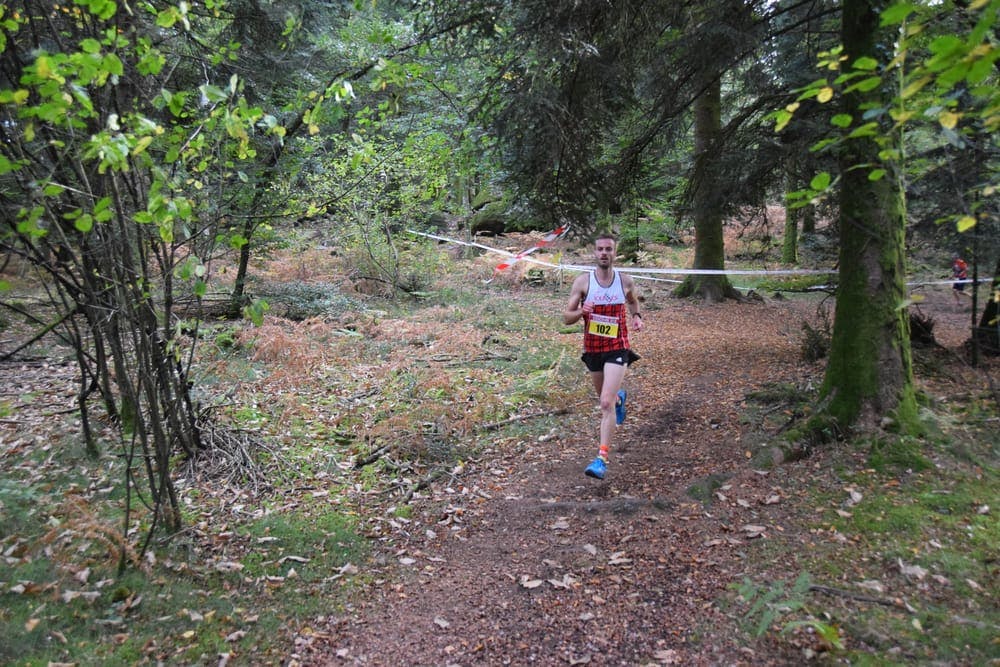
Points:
869	376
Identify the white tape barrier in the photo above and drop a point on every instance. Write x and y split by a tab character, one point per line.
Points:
631	270
646	273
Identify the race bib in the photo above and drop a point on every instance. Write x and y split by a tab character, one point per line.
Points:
604	326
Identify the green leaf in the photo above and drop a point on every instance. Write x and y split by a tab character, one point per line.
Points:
213	93
897	13
821	144
6	166
865	63
820	181
90	45
255	311
782	118
876	174
113	64
84	223
965	223
865	85
979	70
866	130
842	120
102	210
168	17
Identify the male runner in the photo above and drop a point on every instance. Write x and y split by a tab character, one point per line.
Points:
605	298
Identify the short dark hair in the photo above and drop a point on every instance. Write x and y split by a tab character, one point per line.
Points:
606	236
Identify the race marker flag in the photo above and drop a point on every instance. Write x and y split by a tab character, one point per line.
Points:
548	239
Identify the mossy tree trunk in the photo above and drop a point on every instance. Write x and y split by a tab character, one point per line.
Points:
790	241
987	334
707	200
869	376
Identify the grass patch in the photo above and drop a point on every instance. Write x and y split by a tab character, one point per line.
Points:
232	583
917	530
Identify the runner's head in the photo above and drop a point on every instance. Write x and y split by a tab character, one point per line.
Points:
604	250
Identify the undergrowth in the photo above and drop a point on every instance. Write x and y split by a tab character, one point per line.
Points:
417	387
901	564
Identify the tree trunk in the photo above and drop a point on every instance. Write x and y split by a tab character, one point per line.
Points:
790	242
707	199
987	334
869	376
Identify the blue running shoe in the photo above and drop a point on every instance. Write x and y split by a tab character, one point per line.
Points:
620	407
596	469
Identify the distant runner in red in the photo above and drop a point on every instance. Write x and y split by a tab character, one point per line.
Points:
960	272
606	301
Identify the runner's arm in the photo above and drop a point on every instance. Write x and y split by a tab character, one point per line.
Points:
632	302
574	309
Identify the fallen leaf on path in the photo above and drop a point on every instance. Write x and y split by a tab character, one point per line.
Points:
441	623
872	585
855	497
619	558
528	582
911	570
753	530
89	596
561	524
566	582
667	657
297	559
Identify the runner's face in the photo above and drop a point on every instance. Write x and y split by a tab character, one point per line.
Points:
604	252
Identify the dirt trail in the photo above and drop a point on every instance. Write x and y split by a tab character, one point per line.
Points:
539	564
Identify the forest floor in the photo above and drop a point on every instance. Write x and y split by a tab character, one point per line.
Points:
521	559
509	555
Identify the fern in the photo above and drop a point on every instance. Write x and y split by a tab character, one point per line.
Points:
770	603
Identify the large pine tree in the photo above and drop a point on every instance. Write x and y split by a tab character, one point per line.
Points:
869	377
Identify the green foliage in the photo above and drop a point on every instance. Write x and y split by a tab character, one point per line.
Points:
800	283
774	603
936	79
314	542
897	453
128	170
231	585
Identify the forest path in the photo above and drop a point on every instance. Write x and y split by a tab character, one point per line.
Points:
539	564
528	561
